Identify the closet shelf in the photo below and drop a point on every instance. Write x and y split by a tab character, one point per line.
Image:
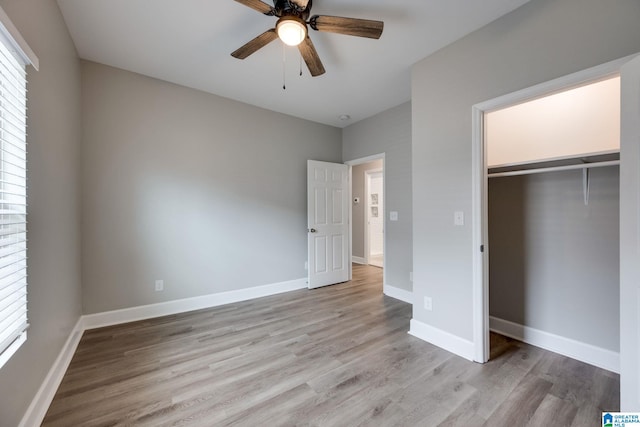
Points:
582	162
585	163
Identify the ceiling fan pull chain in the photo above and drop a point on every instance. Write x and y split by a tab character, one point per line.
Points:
284	68
300	56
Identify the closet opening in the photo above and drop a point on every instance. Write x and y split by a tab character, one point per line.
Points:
553	213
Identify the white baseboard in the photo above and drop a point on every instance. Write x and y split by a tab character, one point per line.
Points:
442	339
596	356
125	315
40	404
358	260
397	293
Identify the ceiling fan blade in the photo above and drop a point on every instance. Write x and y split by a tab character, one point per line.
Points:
348	26
257	43
258	5
311	58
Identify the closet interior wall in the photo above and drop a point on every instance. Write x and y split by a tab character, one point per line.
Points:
554	261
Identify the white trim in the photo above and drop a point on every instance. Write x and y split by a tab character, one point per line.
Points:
132	314
561	84
442	339
630	236
365	219
367	159
358	260
397	293
350	232
40	404
480	260
587	353
23	50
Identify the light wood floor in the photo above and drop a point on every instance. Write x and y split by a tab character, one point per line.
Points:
336	356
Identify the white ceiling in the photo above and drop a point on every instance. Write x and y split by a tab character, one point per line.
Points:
189	42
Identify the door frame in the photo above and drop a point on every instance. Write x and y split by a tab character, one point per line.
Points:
480	225
356	162
367	190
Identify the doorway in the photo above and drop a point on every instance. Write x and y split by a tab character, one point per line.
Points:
553	213
539	226
629	70
361	210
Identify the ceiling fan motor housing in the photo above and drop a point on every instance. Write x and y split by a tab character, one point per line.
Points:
290	8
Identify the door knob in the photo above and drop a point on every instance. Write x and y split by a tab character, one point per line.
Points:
312	230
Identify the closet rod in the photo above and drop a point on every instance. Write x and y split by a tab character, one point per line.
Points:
554	169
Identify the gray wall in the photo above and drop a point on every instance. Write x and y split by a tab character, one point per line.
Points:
554	263
53	214
540	41
358	219
203	192
389	132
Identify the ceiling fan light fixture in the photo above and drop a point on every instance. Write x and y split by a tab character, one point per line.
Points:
291	30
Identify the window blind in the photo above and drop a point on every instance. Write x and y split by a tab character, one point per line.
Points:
13	200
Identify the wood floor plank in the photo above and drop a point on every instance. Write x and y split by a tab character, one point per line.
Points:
429	399
554	411
334	356
467	414
522	403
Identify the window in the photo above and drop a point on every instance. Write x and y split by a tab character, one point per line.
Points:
13	190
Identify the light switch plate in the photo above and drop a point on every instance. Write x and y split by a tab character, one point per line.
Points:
458	218
393	216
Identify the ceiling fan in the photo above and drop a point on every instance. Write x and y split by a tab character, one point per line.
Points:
292	28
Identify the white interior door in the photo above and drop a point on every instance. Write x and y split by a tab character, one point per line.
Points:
375	218
630	237
327	223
